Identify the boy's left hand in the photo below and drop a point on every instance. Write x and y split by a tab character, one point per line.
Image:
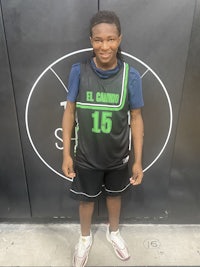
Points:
137	171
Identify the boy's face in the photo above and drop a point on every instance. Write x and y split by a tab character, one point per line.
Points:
105	41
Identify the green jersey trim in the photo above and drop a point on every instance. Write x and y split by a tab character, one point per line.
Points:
110	107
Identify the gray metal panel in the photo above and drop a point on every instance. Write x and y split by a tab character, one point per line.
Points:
157	33
38	33
185	183
14	202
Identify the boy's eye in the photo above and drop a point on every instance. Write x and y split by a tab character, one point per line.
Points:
97	40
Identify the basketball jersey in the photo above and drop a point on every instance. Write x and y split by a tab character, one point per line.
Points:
102	119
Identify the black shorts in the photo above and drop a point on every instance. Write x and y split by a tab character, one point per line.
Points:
89	184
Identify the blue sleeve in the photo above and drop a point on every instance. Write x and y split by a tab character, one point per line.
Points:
73	83
135	89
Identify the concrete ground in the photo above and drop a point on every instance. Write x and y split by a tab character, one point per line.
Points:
53	245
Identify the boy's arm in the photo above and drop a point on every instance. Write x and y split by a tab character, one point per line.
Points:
67	126
137	130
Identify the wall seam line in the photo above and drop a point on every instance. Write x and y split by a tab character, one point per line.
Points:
15	106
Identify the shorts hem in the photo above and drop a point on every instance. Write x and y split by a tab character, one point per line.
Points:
91	198
108	191
83	196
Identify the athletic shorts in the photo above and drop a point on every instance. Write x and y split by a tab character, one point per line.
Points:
89	184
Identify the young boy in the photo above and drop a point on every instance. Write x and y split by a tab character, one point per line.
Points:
102	91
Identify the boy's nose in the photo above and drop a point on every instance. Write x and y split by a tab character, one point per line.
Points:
105	45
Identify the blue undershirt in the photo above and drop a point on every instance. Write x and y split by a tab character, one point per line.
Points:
134	83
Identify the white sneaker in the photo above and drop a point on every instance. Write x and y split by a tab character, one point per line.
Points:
82	250
118	244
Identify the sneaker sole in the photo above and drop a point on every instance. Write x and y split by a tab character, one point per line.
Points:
117	252
83	263
84	259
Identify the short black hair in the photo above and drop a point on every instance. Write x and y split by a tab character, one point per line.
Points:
105	16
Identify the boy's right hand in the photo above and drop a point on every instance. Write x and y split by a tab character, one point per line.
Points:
68	168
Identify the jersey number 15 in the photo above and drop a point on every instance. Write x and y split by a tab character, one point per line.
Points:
102	122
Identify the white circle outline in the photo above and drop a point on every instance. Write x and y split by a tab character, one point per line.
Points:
86	50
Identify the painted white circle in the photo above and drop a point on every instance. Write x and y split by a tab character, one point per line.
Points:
87	50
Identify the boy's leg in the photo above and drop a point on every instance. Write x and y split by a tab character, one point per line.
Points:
85	213
113	234
86	187
114	208
82	249
116	182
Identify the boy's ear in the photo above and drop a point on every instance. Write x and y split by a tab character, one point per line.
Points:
120	38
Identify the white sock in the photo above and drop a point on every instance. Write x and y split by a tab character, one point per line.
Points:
86	239
114	232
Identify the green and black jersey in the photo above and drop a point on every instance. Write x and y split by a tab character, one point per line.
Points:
102	119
